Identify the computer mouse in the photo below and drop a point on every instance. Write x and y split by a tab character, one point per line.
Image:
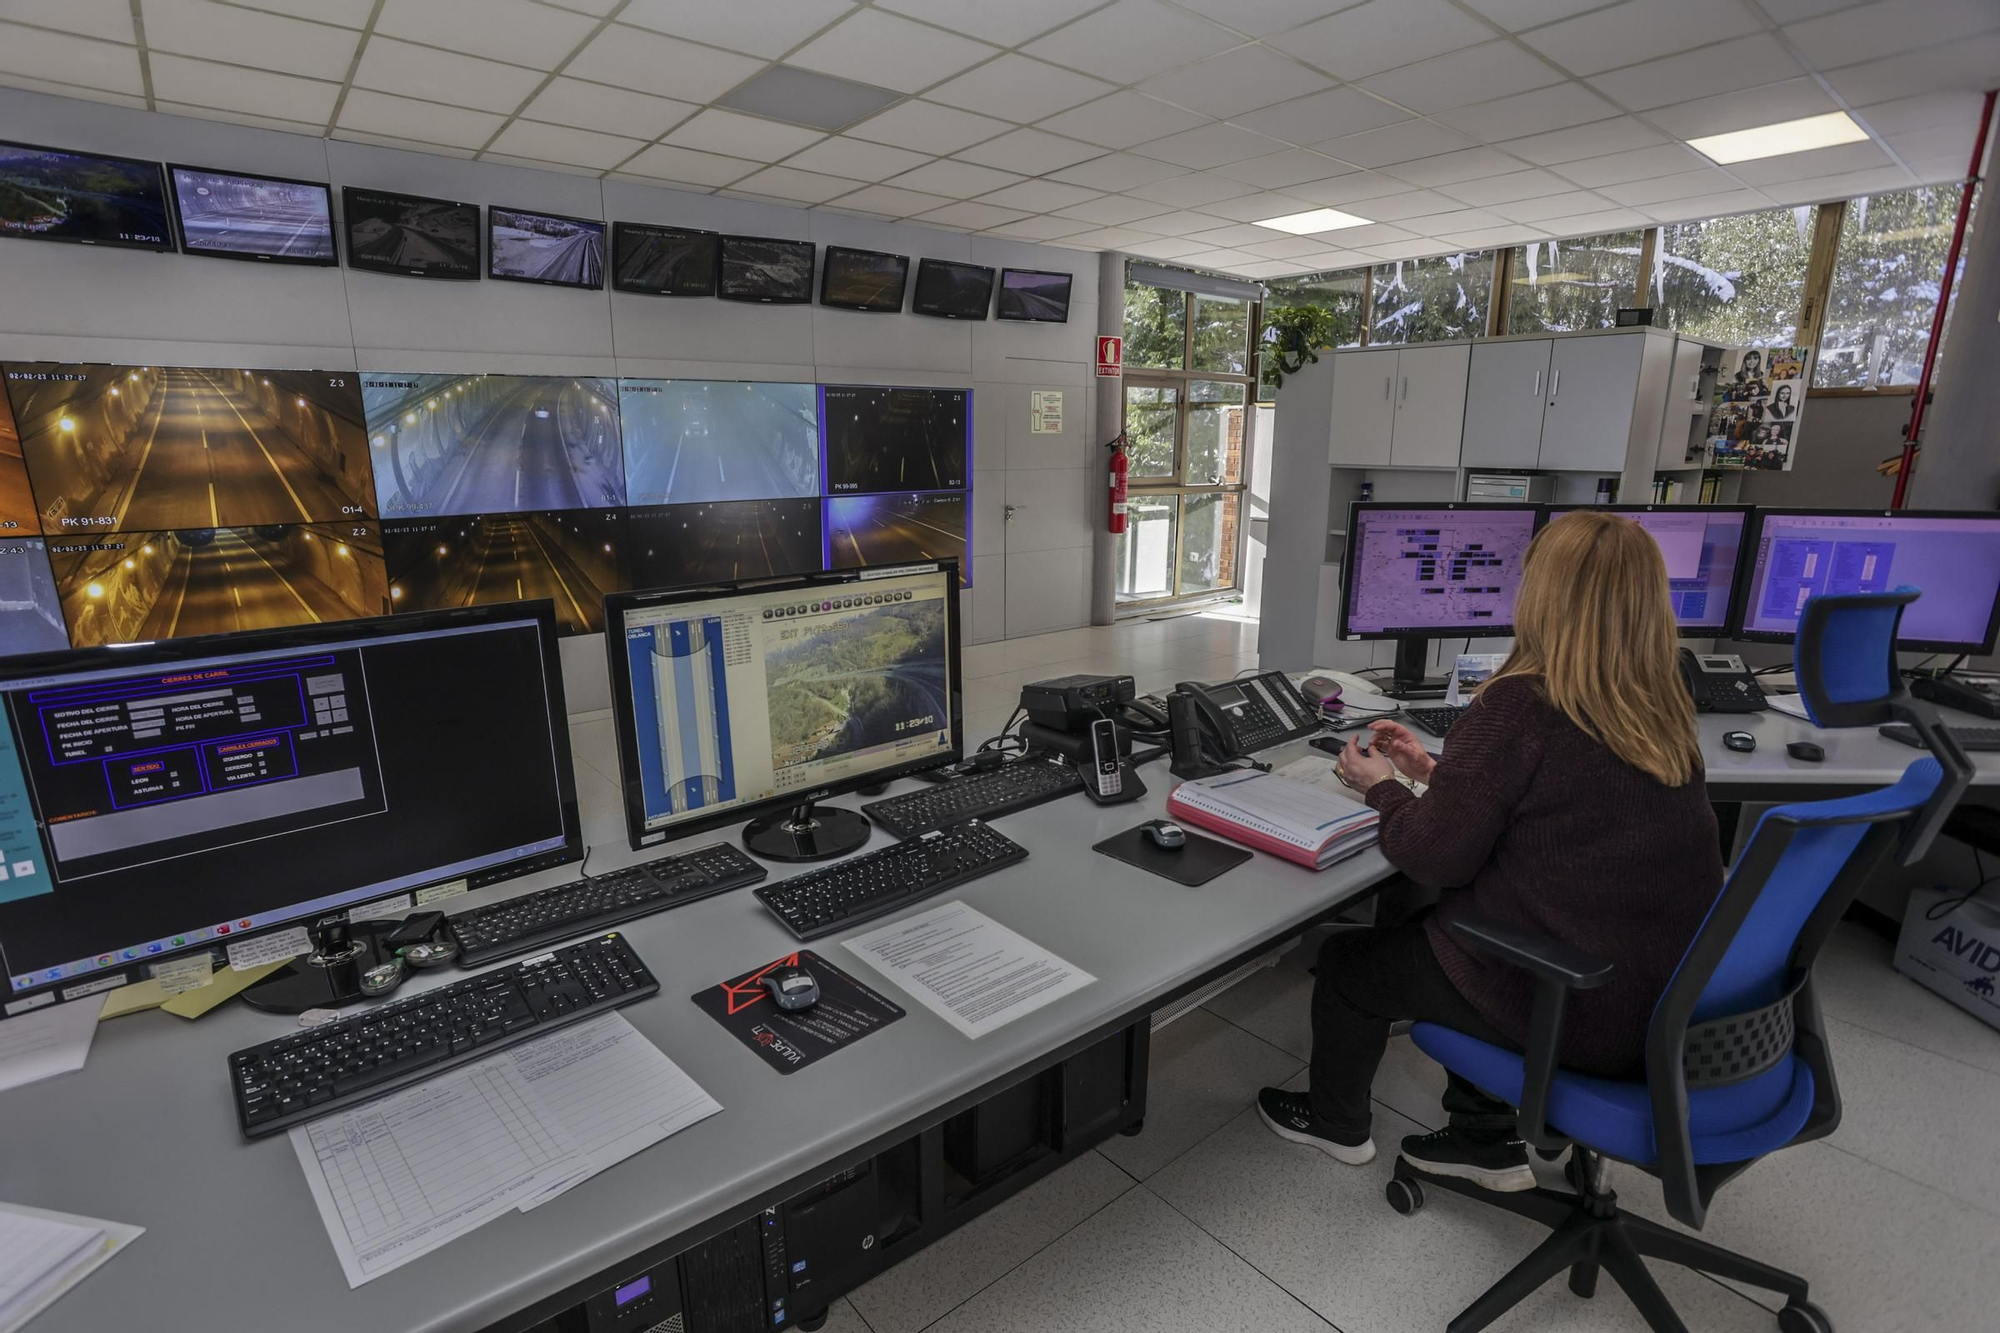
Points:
1739	740
791	988
1805	750
1164	834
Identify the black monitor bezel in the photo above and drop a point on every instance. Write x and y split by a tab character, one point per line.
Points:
297	261
826	277
165	652
927	265
603	226
1000	291
620	229
722	260
356	261
169	210
1354	511
1710	630
625	730
1754	536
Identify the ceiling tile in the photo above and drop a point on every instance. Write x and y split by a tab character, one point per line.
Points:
1820	189
251	91
1437	224
1593	224
380	113
593	106
557	143
1163	247
766	28
1222	258
1122	119
1514	15
1325	115
1181	223
1476	74
80	92
927	127
1040	229
1268	268
406	145
1403	250
1640	30
110	20
955	180
1957	111
856	159
1409	204
538	164
1255	208
666	162
1566	204
736	135
1286	247
313	128
1117	171
1615	168
1237	235
1383	34
1209	146
1008	24
244	37
1965	64
805	187
389	66
1030	152
1449	168
1505	235
1107	238
1595	140
1133	39
889	52
1379	233
517	31
651	62
1343	258
1705	206
1113	209
1529	113
1747	62
1791	99
974	215
1394	143
1274	171
1019	89
1791	11
1353	188
1041	196
1658	189
1189	191
1236	81
1835	161
345	13
1889	27
892	201
1506	189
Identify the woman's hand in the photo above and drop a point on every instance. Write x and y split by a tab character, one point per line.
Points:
1403	749
1362	769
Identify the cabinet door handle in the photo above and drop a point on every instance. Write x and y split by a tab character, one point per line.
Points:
1538	384
1555	384
1406	388
1387	381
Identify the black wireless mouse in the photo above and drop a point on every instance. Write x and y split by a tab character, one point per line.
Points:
792	988
1164	834
1739	740
1805	750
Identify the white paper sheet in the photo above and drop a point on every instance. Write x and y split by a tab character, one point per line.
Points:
44	1254
614	1091
967	968
46	1042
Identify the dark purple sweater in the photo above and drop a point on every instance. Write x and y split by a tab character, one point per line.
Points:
1545	828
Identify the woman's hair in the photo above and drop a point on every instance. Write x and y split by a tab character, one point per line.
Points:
1594	622
1783	393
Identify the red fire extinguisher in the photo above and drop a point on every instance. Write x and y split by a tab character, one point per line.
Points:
1119	467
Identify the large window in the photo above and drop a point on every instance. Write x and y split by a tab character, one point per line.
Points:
1736	280
1424	300
1155	327
1343	295
1564	286
1886	275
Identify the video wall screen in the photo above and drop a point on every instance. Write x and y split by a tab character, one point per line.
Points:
662	261
730	539
1033	297
863	279
763	268
888	439
17	501
573	557
688	441
31	617
233	216
544	247
409	235
952	291
52	194
886	529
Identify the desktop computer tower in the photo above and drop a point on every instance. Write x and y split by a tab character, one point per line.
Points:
828	1232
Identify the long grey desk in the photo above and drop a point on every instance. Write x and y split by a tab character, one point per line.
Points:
146	1133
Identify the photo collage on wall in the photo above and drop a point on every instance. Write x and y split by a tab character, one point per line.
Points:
148	502
1759	399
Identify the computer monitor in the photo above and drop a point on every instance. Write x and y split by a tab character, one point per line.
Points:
1703	548
1952	556
176	796
755	700
1418	571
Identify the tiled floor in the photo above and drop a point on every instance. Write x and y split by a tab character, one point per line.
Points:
1206	1222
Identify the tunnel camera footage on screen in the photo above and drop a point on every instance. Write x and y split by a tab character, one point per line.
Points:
952	291
702	440
544	248
164	798
662	261
409	235
54	194
1034	297
1952	558
270	218
675	545
765	269
1703	548
888	439
1416	570
572	557
863	279
867	530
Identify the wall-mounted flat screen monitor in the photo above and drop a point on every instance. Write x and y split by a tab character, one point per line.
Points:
409	235
951	290
167	448
866	530
54	194
888	439
662	261
673	545
31	618
483	444
863	279
545	248
17	500
700	440
572	557
1033	297
766	269
1702	546
233	216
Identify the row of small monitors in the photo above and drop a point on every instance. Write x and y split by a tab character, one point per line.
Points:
98	448
61	195
62	592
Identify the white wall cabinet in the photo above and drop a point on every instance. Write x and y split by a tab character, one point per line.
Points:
1430	406
1364	407
1593	393
1505	393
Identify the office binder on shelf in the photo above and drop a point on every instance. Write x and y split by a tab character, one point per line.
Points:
1279	815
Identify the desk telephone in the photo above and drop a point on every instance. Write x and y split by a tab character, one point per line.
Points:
1251	713
1720	683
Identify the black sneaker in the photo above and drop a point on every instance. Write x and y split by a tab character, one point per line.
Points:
1289	1114
1495	1164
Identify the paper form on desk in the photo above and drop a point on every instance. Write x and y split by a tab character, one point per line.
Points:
967	968
43	1254
49	1041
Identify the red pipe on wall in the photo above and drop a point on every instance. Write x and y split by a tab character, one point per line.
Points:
1916	425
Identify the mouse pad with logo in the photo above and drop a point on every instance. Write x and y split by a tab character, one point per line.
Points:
847	1011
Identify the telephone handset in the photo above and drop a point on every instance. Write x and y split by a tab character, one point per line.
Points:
1252	712
1720	683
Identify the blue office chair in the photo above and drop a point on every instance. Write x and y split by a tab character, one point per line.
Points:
1736	1058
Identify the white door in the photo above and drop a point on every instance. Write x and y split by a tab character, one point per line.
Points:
1504	394
1430	406
1364	408
1593	390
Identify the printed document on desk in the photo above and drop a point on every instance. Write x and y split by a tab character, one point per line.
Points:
1296	820
49	1041
967	968
43	1254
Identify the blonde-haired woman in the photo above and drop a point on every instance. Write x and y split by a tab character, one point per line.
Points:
1569	802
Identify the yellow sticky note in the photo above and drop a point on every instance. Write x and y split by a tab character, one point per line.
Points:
132	999
195	1003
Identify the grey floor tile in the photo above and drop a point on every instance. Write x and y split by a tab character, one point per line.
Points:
1323	1231
1136	1265
1203	1071
1858	984
841	1317
929	1284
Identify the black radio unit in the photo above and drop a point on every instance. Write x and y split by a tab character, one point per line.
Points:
1072	703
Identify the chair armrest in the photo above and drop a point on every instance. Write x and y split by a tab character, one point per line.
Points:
1547	959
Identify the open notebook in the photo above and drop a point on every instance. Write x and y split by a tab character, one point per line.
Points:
1279	815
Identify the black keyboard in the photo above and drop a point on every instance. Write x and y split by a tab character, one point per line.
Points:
1437	721
585	906
1968	738
1016	786
304	1076
861	888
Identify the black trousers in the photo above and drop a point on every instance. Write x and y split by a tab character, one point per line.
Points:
1368	978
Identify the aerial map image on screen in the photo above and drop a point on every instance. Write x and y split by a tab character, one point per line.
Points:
852	682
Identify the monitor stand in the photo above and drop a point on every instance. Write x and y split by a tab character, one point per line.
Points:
807	832
1409	680
328	977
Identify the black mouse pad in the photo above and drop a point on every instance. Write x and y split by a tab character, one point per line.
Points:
847	1011
1195	864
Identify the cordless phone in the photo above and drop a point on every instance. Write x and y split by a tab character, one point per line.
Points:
1110	779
